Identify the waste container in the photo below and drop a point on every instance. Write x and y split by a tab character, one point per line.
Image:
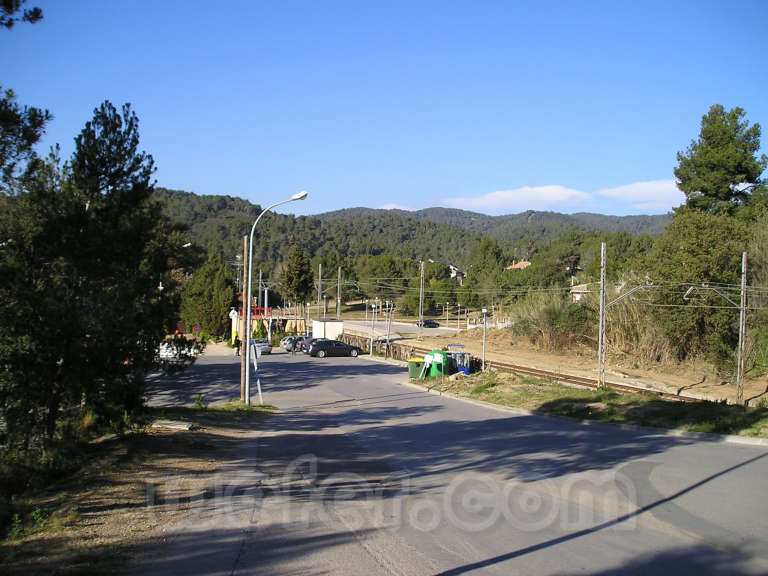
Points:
415	366
461	361
439	363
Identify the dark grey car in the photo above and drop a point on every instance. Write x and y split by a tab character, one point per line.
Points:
323	348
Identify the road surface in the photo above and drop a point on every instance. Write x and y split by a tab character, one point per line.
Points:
398	329
361	475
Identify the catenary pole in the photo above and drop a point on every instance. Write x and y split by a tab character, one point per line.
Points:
421	298
742	331
338	296
601	334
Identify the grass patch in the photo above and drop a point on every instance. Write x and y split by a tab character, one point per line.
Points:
232	413
608	406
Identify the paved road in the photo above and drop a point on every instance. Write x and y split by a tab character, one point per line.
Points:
399	328
360	475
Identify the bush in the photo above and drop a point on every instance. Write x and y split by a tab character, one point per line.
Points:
552	322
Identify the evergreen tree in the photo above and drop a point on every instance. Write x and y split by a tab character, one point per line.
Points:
297	278
11	12
20	129
81	311
208	296
699	249
720	171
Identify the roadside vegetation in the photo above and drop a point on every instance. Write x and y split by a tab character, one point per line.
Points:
507	389
93	517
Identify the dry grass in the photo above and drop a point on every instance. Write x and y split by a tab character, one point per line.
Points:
131	489
509	389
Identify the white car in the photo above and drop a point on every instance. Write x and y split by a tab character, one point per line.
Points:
262	345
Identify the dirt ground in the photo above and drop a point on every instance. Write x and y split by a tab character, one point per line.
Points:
698	380
122	501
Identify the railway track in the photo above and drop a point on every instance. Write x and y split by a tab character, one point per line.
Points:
580	380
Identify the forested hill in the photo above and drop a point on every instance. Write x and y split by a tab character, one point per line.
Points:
219	223
444	234
510	229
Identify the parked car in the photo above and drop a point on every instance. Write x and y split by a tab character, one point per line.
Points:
428	323
262	345
323	348
289	342
306	344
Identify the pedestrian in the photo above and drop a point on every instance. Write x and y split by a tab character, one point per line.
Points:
293	346
237	346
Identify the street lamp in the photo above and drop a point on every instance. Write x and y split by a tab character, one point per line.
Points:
485	313
298	196
373	324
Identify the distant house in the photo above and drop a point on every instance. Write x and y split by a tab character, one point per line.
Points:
456	274
522	265
578	292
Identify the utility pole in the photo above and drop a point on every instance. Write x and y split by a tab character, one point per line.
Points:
338	296
319	284
485	321
742	331
258	292
421	298
446	313
601	335
458	317
269	320
390	309
243	351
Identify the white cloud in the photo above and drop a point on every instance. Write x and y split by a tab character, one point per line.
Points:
652	196
557	198
395	207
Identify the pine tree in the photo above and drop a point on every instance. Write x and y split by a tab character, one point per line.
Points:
720	171
297	278
208	296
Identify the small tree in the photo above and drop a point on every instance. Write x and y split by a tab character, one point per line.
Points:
297	276
699	248
720	170
207	297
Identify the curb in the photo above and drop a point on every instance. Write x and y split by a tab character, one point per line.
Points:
671	432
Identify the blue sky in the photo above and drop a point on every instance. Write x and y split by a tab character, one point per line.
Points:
496	107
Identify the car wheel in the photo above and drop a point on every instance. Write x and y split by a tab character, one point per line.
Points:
353	353
321	353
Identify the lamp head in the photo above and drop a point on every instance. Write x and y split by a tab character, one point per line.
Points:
300	195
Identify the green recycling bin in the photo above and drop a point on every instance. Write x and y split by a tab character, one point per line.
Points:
415	366
439	363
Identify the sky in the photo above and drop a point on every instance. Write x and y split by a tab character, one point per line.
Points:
494	107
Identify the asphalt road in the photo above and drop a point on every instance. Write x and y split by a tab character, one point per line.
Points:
398	328
361	475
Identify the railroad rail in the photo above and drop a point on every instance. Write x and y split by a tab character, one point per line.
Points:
580	380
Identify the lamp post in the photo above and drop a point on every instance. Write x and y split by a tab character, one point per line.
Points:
298	196
373	324
485	313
